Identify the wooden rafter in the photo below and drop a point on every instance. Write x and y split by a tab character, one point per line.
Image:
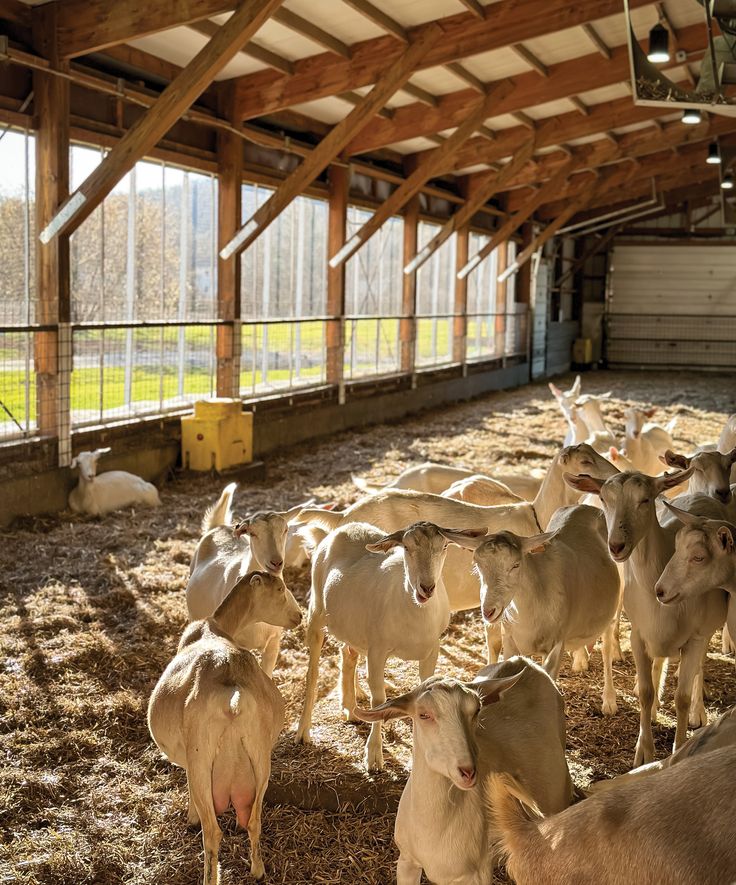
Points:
467	76
564	80
353	98
168	108
420	94
579	105
312	32
333	143
524	119
595	38
251	49
379	18
515	221
530	58
506	22
475	7
481	193
433	162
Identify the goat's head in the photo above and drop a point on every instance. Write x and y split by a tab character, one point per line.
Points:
704	558
269	599
635	420
423	546
583	458
266	531
712	474
566	398
87	463
445	714
628	501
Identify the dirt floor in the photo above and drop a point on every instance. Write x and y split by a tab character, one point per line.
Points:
91	611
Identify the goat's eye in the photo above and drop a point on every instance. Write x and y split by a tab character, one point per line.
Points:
698	558
586	463
515	565
645	501
425	716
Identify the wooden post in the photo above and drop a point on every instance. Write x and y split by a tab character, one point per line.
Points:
52	349
408	326
501	295
229	202
460	321
339	182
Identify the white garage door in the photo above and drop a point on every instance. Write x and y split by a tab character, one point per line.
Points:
672	305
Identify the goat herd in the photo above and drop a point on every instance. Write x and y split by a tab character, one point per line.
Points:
551	571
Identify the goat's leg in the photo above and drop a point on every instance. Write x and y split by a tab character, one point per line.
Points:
377	686
192	813
698	716
691	662
553	660
270	652
645	743
609	691
494	642
726	641
408	872
580	659
257	869
510	648
429	664
618	655
199	776
315	641
348	679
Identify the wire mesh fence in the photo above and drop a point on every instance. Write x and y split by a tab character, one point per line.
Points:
282	355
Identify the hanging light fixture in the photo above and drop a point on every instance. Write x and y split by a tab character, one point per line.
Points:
659	44
692	116
714	155
727	182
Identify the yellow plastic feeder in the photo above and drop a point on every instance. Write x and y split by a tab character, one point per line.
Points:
218	435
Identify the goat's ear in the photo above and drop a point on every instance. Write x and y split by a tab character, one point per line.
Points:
555	390
670	480
73	464
242	528
684	517
651	412
387	543
575	389
584	482
537	543
396	708
492	690
293	512
671	459
725	537
731	455
607	395
255	580
470	539
100	452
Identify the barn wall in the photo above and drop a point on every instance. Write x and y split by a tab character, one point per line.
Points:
672	305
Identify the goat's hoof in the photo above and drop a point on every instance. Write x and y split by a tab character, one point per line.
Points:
303	737
643	756
374	760
257	870
348	715
617	655
193	821
698	717
610	707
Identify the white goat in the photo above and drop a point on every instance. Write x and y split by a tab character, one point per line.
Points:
712	472
215	713
510	718
636	537
480	489
557	590
577	429
379	606
223	555
437	478
100	494
675	826
645	441
395	509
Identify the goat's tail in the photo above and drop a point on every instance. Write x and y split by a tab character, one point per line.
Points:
513	816
220	513
365	486
316	516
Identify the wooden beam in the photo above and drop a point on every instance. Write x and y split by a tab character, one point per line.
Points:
143	62
564	80
251	49
460	301
525	120
515	221
506	22
229	202
420	94
464	74
579	105
154	124
595	38
600	243
312	32
526	55
339	186
354	99
52	348
434	161
408	323
91	25
379	18
16	12
481	193
333	143
475	7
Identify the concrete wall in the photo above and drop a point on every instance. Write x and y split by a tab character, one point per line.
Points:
151	449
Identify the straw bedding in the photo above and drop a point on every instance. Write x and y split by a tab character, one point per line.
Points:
91	611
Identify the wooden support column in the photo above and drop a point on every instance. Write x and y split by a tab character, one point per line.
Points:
408	326
339	183
460	321
52	349
229	202
502	262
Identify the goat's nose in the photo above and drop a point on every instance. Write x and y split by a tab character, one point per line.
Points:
616	547
660	591
467	773
276	563
427	589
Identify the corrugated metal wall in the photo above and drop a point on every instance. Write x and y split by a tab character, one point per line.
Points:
672	305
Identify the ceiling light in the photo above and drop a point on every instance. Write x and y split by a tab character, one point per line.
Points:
727	182
714	155
659	50
691	116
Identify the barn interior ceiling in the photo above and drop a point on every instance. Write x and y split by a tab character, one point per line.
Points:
475	86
